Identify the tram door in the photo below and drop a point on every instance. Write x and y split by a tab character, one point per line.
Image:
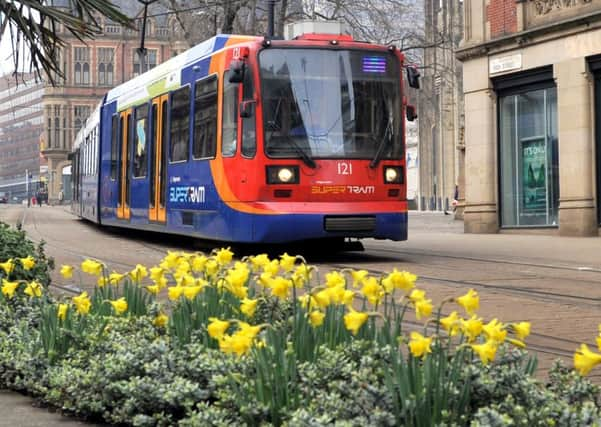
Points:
125	134
158	158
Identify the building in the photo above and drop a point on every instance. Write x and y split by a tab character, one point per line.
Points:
21	120
92	68
440	109
532	86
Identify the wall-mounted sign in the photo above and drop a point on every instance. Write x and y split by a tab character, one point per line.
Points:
505	63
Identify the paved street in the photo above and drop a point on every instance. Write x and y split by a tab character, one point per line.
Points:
553	282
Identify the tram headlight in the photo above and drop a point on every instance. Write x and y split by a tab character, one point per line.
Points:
393	174
282	175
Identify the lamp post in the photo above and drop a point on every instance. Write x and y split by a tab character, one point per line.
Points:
142	49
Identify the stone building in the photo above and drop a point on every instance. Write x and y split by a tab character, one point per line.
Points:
93	68
21	121
532	86
440	108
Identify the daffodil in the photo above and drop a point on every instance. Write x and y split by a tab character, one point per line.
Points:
67	271
160	320
399	280
119	305
138	273
175	292
419	345
301	275
259	261
190	292
347	297
217	328
353	320
170	260
248	330
156	273
322	298
287	262
153	289
495	331
316	318
91	267
470	301
423	308
33	289
334	279
248	306
62	311
472	328
224	256
7	266
237	343
115	278
9	288
521	329
585	359
358	277
28	263
417	295
372	290
451	323
82	303
272	267
211	267
102	281
280	287
486	351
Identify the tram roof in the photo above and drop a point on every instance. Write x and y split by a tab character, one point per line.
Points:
169	72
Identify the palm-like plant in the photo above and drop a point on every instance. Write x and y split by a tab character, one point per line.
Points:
32	26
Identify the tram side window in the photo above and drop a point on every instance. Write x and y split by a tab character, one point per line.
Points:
205	118
114	145
229	130
249	133
180	124
141	139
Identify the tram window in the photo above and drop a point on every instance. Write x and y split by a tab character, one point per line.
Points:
205	118
249	133
180	124
229	126
141	139
114	145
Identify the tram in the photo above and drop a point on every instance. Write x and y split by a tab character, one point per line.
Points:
253	140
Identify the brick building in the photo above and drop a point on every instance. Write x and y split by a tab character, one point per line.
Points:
94	67
21	127
532	88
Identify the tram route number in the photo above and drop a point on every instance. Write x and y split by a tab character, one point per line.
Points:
344	168
187	194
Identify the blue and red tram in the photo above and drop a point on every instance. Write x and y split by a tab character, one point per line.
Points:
252	140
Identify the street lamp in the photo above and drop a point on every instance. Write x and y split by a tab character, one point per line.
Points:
142	49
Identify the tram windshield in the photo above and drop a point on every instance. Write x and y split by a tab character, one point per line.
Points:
320	103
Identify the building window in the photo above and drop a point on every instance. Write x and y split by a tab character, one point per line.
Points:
151	61
529	180
80	114
105	66
81	61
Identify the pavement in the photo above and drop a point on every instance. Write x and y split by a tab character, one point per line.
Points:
429	233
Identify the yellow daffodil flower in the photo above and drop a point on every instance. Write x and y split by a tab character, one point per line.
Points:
67	271
585	359
301	275
334	279
175	292
224	256
211	267
171	259
336	294
472	328
153	289
470	302
272	267
248	306
372	290
160	320
198	263
287	262
451	323
156	273
33	289
62	311
8	266
347	297
402	280
495	331
417	295
419	345
358	277
353	320
217	328
115	278
521	329
190	292
82	303
138	273
316	318
91	267
259	261
120	305
265	279
9	288
423	308
102	281
486	351
280	287
28	263
248	330
161	282
322	298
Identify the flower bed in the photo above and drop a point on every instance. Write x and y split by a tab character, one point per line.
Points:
208	340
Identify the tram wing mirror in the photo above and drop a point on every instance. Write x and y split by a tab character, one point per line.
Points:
247	108
237	68
413	77
411	113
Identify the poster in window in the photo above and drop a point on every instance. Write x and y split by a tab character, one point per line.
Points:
534	185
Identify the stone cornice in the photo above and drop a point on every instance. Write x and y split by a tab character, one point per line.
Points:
590	20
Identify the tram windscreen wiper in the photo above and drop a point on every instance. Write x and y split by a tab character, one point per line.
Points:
307	159
382	145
